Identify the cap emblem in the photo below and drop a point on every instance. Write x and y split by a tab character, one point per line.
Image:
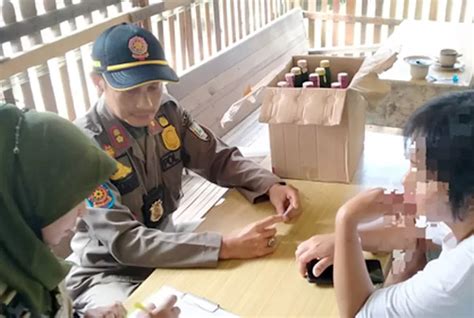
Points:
139	48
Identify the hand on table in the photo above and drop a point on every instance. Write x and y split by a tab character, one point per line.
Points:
255	240
285	198
319	247
165	310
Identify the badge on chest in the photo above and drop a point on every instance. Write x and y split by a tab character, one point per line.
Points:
153	208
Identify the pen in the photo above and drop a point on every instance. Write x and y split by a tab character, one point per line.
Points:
142	307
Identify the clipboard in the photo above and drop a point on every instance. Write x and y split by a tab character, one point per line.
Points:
190	305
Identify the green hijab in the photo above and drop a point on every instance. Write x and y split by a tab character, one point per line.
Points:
55	168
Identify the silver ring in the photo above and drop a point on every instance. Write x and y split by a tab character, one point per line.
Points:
271	242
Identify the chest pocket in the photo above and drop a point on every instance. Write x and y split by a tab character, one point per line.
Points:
125	179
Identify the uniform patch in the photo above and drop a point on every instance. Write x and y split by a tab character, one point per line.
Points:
198	131
156	211
153	208
170	160
170	138
163	121
139	48
126	178
102	197
122	172
119	138
109	150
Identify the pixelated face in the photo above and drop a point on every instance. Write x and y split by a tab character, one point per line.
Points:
137	106
421	188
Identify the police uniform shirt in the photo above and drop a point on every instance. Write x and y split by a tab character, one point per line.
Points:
122	237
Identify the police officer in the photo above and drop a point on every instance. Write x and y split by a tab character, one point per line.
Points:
129	231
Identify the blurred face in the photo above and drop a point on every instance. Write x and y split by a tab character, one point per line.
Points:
56	231
137	107
431	197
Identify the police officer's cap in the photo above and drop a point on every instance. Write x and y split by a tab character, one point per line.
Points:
129	56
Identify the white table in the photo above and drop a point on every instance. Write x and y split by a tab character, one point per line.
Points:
422	38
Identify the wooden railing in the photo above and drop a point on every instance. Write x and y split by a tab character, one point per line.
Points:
45	44
50	73
341	25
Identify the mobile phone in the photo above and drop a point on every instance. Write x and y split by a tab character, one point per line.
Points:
326	278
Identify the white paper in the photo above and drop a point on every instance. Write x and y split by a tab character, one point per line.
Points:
189	304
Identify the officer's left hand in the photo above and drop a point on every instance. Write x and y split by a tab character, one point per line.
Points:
284	197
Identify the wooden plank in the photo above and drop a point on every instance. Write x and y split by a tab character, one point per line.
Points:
226	23
463	11
239	18
233	29
418	9
350	10
161	30
449	10
351	19
171	5
27	93
272	11
335	25
65	81
261	18
50	6
406	7
208	27
182	35
217	25
72	22
83	79
265	11
378	28
33	22
199	31
8	96
312	27
60	46
363	25
311	33
47	92
254	15
171	24
28	10
189	35
392	14
9	18
433	10
324	29
247	17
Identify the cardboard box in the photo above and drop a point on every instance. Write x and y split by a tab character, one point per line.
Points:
316	133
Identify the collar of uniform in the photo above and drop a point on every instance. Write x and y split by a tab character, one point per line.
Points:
119	137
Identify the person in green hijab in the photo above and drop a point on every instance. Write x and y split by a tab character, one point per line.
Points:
42	155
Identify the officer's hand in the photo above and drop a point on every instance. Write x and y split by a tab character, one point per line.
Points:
285	198
320	247
255	240
114	311
165	310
